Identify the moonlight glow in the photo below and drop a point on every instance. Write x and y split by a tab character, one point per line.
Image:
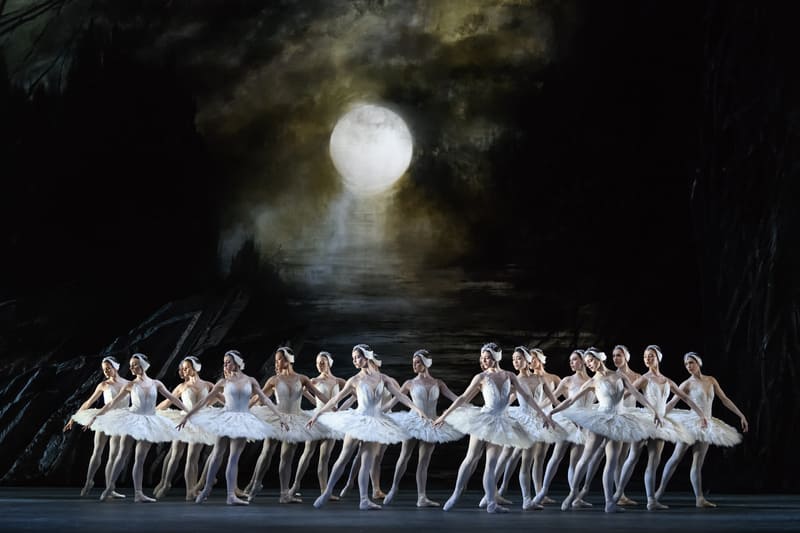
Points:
371	148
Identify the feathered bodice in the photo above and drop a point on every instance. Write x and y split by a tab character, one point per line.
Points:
657	395
609	393
191	396
288	395
574	388
425	397
703	396
369	398
111	390
328	388
143	399
495	398
237	395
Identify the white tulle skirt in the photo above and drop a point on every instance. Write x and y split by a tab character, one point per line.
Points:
369	428
421	429
534	424
501	429
84	417
234	424
626	425
573	433
671	431
190	433
297	431
146	427
717	432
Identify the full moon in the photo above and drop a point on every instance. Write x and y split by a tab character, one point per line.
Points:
371	148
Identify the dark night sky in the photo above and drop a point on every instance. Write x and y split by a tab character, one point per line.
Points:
553	190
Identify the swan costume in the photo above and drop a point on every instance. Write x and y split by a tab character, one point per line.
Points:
235	420
425	398
608	417
716	432
672	431
492	422
139	421
531	420
367	421
288	396
191	432
85	416
574	433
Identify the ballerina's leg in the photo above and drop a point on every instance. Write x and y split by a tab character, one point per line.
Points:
400	468
627	468
670	466
288	450
100	440
191	468
262	465
423	462
212	467
654	449
465	470
493	452
369	455
232	471
593	441
550	471
349	445
302	465
142	447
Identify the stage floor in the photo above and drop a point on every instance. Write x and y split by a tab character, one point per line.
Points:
61	509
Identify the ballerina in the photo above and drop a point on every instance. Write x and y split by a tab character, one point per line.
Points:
567	387
288	387
233	425
425	391
489	427
192	390
656	388
108	388
607	422
702	389
329	385
367	423
538	386
139	422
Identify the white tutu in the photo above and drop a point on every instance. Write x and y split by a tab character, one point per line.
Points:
191	432
234	424
84	417
297	431
139	426
495	428
671	431
573	433
369	428
534	424
717	432
625	425
421	429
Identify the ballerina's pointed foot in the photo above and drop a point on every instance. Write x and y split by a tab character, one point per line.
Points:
423	501
378	494
322	500
191	496
140	497
161	491
566	505
494	507
703	503
202	496
624	501
107	494
368	505
580	503
451	501
344	491
655	505
334	498
612	507
87	488
546	500
528	504
289	498
484	501
389	497
117	496
503	501
235	500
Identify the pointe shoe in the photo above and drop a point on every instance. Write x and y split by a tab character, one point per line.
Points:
202	496
235	500
87	488
288	497
624	501
117	496
529	505
378	494
368	505
389	497
580	503
140	497
655	505
343	492
566	505
484	502
703	503
612	507
503	501
423	501
162	490
546	500
334	498
493	507
107	494
451	501
321	500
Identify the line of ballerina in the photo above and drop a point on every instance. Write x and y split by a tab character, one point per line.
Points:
522	416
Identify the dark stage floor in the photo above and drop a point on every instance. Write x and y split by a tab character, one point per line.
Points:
43	509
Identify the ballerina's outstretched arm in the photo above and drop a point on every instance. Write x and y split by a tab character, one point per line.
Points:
685	397
168	395
98	391
175	392
394	388
548	420
346	391
110	405
470	392
659	420
730	405
445	391
216	391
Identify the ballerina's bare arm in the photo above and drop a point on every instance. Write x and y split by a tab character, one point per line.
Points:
98	391
394	388
262	395
110	405
727	402
176	392
391	403
267	389
171	397
347	390
585	388
445	391
551	395
469	393
308	386
685	387
685	397
562	387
